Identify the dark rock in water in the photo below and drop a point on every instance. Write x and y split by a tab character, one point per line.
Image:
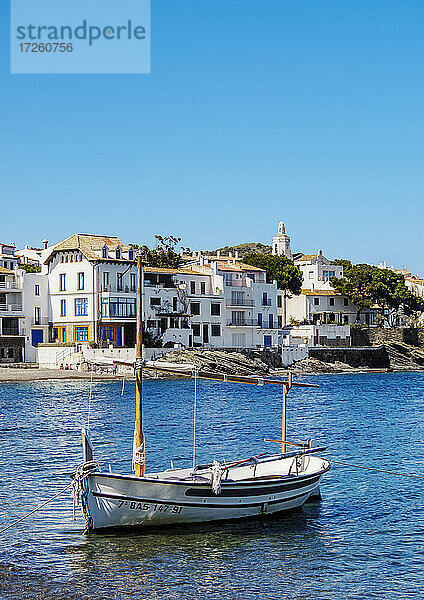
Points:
230	363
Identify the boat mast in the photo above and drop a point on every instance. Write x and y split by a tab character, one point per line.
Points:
286	387
139	456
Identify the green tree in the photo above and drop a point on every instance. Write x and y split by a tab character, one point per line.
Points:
367	285
30	268
163	255
278	268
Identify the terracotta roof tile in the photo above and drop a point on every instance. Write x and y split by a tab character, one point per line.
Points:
239	267
306	257
88	244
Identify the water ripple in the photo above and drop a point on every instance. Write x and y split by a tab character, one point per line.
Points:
364	540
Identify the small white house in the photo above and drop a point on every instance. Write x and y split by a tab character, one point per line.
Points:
319	303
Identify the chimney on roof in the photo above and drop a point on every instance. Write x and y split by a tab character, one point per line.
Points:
45	244
218	254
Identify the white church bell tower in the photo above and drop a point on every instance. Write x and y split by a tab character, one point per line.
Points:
281	242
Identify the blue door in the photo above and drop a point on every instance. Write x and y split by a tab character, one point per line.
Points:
36	337
271	321
119	336
267	341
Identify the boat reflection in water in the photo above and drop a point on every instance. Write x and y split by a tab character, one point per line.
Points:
202	557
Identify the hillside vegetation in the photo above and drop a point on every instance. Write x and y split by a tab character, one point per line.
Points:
242	249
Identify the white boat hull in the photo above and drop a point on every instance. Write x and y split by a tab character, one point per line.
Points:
112	500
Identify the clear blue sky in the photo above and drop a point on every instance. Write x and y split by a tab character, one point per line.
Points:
256	111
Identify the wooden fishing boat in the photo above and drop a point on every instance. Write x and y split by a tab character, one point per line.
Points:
218	491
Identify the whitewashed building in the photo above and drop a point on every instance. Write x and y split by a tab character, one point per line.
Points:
319	303
23	309
218	303
92	286
211	304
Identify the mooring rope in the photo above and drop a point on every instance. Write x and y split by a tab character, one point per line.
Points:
37	508
346	464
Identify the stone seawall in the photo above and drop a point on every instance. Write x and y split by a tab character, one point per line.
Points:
375	336
372	358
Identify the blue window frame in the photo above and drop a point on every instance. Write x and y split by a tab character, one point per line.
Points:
81	306
260	319
62	282
63	308
81	334
119	307
80	281
108	333
271	321
267	341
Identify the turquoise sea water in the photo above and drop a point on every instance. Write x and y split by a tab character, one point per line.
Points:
365	539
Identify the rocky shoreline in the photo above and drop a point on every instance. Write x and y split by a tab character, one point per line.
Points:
400	357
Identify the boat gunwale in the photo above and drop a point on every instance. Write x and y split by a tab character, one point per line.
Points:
224	483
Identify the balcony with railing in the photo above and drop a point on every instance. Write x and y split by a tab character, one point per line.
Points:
240	302
265	325
242	323
151	284
12	285
251	323
4	307
237	282
121	289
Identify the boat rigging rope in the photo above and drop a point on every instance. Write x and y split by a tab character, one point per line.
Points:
346	464
37	508
89	401
194	419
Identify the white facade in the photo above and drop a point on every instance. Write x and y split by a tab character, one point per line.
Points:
92	291
416	286
319	303
212	304
86	292
317	271
23	314
317	335
92	297
36	310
